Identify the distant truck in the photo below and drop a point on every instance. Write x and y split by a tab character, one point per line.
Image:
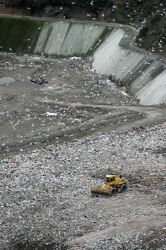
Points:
113	184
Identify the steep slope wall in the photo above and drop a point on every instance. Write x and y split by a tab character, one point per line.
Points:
65	38
108	44
145	74
61	38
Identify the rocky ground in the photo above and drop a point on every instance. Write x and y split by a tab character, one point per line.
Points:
60	138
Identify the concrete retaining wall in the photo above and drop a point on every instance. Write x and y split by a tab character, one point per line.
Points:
108	44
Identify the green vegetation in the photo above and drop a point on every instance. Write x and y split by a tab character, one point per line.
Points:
22	34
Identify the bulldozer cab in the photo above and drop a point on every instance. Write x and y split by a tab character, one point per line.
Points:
113	179
109	179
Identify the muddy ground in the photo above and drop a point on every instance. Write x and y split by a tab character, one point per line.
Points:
73	105
74	102
32	113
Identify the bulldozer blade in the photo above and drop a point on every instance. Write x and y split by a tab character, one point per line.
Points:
101	194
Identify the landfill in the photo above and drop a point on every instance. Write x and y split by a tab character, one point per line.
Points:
73	139
45	193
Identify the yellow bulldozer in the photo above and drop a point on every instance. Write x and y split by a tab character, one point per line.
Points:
113	184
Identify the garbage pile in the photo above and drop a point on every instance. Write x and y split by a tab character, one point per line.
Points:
45	193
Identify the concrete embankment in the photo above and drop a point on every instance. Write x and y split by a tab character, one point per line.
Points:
108	44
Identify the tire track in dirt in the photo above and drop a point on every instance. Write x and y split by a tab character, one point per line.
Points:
127	228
